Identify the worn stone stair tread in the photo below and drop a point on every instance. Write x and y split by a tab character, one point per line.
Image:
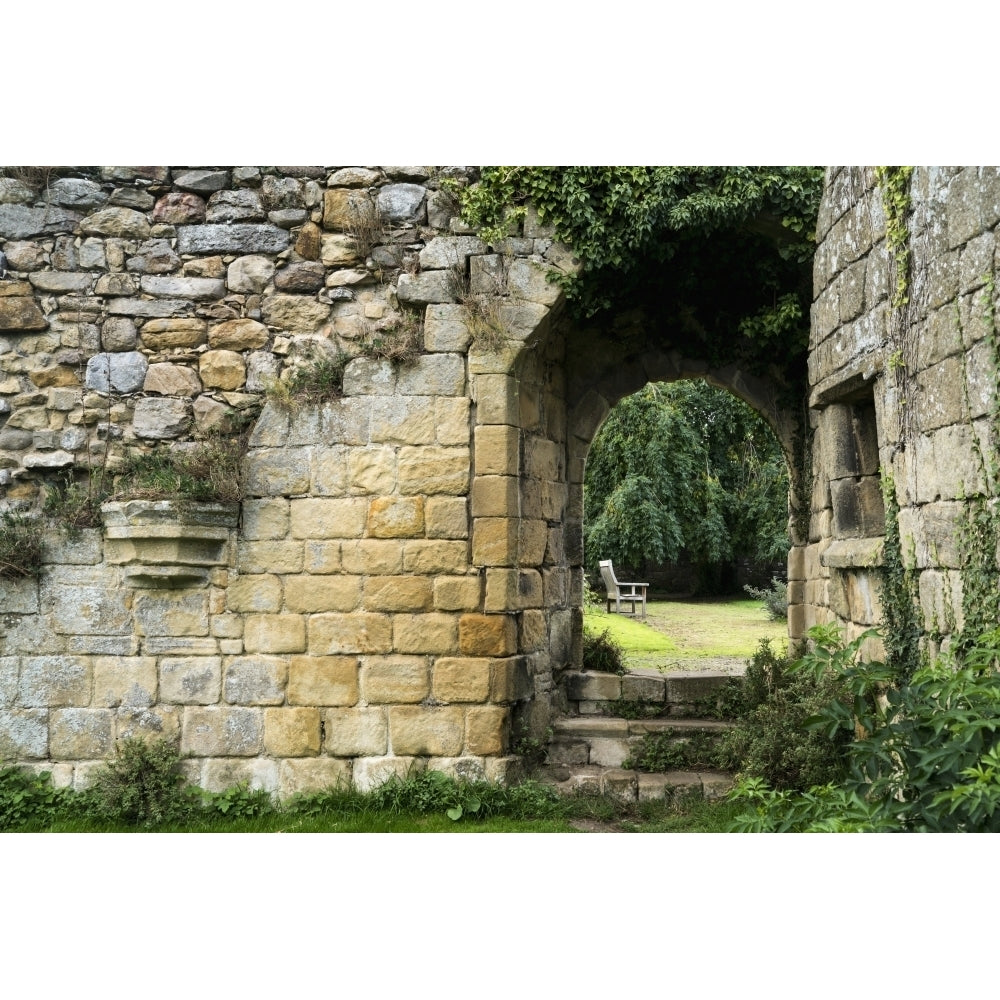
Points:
578	727
592	779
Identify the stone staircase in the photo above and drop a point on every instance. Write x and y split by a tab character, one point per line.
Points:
600	731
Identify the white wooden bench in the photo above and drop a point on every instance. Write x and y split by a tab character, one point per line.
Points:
622	593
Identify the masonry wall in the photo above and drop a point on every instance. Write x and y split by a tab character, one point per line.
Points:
393	591
900	391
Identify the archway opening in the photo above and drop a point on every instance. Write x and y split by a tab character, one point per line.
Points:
686	489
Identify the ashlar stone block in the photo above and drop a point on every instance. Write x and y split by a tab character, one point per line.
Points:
359	632
292	732
283	633
125	681
312	774
55	681
432	469
486	730
457	593
395	680
221	732
190	680
81	733
260	593
257	775
398	593
256	680
323	680
461	679
487	635
306	594
497	450
424	731
396	517
24	734
446	517
355	732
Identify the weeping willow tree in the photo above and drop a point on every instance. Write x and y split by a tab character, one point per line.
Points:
685	473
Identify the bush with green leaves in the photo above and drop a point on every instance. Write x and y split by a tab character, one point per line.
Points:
602	653
922	755
771	739
142	785
774	598
30	801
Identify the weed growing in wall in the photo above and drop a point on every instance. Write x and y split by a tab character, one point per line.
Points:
894	183
316	379
20	545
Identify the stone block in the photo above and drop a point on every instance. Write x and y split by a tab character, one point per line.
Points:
124	681
355	732
282	633
81	733
425	731
487	635
305	775
495	496
161	418
446	329
446	517
461	679
486	730
433	375
24	734
55	681
173	614
532	631
257	775
510	680
329	518
435	556
451	415
395	680
256	680
190	680
372	471
430	632
162	720
269	557
292	732
372	772
494	541
593	687
497	450
502	590
322	557
306	594
257	593
329	471
221	732
8	680
533	541
396	517
278	471
323	680
164	334
332	634
431	469
398	593
19	596
373	557
457	593
403	420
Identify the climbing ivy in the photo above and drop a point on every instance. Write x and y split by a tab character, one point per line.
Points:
894	183
900	616
718	255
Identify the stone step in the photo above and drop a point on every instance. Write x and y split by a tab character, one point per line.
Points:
589	692
589	779
608	742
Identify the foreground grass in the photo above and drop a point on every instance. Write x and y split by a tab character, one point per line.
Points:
689	630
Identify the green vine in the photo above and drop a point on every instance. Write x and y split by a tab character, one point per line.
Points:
979	531
894	183
900	597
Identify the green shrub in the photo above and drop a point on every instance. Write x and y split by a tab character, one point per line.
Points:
30	800
669	750
771	740
142	785
774	598
602	653
317	379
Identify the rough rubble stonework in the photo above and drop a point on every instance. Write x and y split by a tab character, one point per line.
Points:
402	585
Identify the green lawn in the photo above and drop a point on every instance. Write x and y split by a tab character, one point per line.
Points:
689	630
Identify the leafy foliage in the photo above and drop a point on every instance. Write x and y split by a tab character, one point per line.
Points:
685	470
774	598
30	800
668	750
924	754
744	235
142	785
771	740
602	653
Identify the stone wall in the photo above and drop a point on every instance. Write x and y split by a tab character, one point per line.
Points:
402	583
393	588
905	391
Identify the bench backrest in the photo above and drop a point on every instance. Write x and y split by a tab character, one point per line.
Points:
608	576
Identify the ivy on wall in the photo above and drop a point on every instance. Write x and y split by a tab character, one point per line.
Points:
894	183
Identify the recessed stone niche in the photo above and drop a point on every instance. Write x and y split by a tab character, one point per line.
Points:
166	543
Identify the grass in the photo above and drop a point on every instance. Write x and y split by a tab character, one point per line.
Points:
689	630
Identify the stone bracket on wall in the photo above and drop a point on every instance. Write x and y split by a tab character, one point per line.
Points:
166	544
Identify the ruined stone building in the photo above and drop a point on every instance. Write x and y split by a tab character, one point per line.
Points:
403	580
